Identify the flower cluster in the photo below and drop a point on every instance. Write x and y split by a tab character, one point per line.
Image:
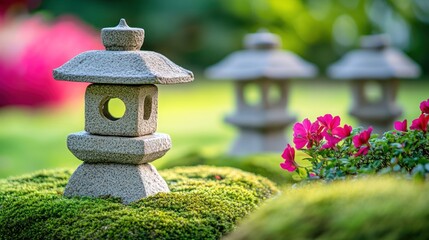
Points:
336	151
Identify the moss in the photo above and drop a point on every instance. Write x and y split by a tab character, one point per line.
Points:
204	203
267	165
374	208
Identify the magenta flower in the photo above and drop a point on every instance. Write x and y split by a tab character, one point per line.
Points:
328	122
307	134
362	151
401	126
289	156
420	123
337	134
361	142
424	106
343	132
331	140
362	138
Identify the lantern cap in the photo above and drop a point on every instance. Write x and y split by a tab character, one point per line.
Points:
263	59
374	60
122	62
262	40
375	42
122	37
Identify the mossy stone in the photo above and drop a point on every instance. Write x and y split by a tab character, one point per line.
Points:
371	208
204	203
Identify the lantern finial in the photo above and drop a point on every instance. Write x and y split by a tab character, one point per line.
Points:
122	37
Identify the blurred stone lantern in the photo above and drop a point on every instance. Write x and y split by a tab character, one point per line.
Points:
374	72
117	150
268	69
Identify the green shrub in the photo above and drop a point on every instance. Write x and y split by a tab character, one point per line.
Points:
204	203
373	208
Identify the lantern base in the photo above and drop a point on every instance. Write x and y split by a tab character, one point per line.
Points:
128	182
251	141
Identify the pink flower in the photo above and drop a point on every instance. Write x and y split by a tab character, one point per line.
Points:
361	142
401	126
424	106
289	156
307	134
328	122
337	134
343	132
331	140
362	138
362	151
420	123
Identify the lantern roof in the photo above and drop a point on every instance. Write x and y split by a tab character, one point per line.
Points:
262	58
374	60
122	62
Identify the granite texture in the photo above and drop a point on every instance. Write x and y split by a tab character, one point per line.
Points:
128	182
140	117
122	63
122	67
111	149
122	37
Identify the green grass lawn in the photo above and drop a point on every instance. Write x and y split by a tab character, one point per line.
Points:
191	113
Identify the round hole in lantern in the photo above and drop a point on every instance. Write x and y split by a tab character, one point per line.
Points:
252	94
113	108
147	107
274	93
373	92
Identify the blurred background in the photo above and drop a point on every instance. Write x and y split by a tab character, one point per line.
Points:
37	113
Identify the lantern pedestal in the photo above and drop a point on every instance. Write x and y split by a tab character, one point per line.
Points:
125	181
259	132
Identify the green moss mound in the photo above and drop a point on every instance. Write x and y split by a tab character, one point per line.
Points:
204	203
374	208
266	165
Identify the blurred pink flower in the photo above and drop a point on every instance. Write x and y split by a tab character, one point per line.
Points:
307	134
421	123
289	156
30	49
400	126
424	106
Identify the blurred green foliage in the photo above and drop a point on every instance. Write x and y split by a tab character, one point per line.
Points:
369	208
196	34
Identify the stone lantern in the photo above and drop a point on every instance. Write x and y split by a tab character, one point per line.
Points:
116	151
268	68
376	66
